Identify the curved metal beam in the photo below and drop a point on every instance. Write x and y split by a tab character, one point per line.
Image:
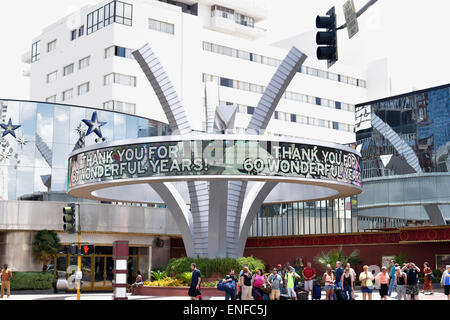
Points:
180	212
163	88
252	203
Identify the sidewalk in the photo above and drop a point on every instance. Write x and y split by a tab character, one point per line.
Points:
438	295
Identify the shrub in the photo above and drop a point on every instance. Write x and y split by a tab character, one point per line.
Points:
166	282
401	258
208	267
158	275
46	245
31	280
253	264
185	277
332	256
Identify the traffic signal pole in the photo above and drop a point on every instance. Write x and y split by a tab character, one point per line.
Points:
360	12
79	253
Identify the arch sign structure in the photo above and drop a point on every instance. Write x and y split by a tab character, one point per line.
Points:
214	184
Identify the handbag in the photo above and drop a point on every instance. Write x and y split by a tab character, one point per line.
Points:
430	276
220	286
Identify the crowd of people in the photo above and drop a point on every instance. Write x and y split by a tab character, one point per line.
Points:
338	283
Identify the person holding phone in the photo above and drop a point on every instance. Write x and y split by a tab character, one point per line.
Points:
412	275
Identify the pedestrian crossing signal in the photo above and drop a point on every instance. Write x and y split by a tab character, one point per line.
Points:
87	249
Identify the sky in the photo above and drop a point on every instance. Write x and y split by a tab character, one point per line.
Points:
412	34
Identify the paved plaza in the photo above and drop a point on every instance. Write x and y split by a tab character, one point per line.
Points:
438	295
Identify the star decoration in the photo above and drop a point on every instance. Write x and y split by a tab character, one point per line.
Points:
5	154
94	125
22	141
80	130
9	128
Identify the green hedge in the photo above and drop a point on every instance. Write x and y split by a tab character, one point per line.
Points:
31	280
208	266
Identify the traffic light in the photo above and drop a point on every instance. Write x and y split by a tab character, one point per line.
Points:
87	249
327	40
69	218
73	249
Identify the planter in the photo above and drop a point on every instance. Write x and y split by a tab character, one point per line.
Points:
175	291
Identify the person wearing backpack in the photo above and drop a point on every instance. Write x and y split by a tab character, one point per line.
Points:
6	280
275	281
230	278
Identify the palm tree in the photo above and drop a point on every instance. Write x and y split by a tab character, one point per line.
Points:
46	246
331	257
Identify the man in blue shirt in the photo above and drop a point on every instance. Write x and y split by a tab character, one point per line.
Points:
392	276
338	272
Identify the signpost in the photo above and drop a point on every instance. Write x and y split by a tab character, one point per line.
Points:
120	256
350	18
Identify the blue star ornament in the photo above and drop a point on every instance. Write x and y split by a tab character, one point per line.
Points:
94	125
9	128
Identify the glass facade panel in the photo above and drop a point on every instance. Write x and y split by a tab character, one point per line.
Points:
305	218
36	159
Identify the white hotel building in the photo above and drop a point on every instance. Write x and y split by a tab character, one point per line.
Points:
85	59
208	48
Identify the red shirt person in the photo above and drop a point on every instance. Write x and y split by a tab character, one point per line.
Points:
309	273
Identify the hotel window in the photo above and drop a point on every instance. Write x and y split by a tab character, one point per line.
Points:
338	105
226	82
120	106
244	20
51	46
250	110
51	99
324	102
67	95
293	118
109	13
335	125
124	13
332	76
83	88
222	12
161	26
84	63
123	52
52	76
109	105
68	70
115	11
81	31
118	78
36	51
244	55
73	34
